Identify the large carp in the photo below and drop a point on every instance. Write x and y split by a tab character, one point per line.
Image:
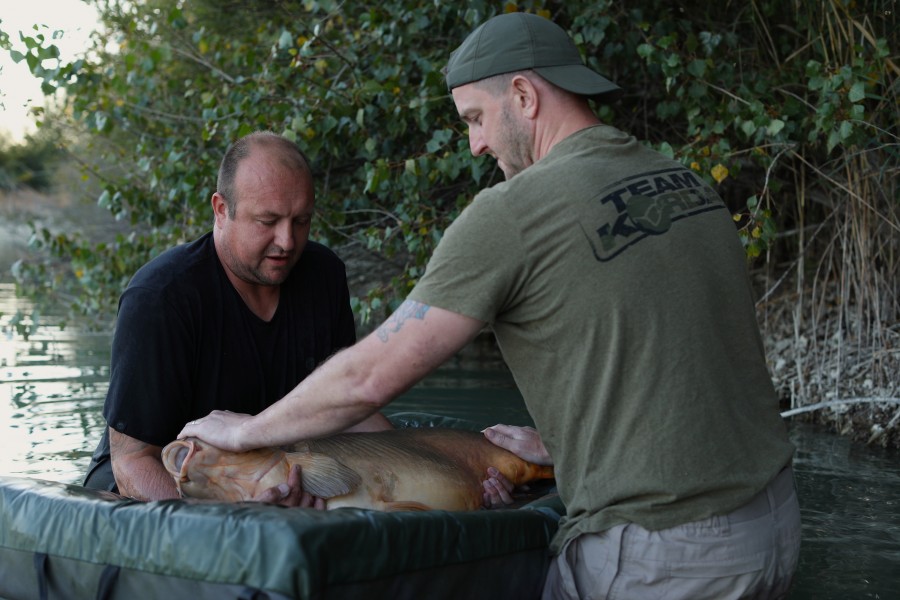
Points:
400	469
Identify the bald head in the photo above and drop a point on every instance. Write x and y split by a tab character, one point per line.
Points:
286	152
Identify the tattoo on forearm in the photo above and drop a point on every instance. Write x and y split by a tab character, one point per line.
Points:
410	309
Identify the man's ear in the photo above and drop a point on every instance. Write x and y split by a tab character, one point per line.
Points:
525	96
220	208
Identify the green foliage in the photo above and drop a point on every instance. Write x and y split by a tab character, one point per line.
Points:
744	94
751	90
28	164
360	89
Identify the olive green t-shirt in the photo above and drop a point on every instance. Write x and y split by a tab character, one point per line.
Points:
617	288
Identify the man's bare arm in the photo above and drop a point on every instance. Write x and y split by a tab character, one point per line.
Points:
352	385
138	468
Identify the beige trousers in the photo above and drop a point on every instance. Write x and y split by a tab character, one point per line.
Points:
749	553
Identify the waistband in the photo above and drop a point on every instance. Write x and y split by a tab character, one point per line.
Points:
779	491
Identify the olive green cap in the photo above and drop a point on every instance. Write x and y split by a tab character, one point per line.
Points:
519	41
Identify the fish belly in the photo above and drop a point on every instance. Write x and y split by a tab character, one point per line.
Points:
392	489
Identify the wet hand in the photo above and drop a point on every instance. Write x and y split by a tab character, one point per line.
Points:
291	494
524	442
221	428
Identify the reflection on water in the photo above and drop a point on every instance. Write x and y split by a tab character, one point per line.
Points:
52	388
850	505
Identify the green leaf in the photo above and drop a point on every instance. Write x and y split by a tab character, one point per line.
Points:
846	130
697	68
103	201
774	126
666	41
710	41
834	138
857	92
666	149
748	127
285	40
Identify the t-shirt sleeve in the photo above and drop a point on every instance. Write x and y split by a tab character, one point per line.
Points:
150	388
476	269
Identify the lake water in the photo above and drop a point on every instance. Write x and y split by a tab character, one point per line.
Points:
52	387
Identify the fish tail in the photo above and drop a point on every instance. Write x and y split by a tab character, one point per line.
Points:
522	472
544	472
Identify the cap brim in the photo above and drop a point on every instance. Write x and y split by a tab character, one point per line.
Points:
580	80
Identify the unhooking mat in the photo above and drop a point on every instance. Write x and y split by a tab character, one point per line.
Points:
65	541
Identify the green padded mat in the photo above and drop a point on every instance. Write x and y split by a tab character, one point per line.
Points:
65	541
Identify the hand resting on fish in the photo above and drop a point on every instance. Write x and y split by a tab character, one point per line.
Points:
399	469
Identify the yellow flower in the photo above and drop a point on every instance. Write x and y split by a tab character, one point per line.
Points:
719	172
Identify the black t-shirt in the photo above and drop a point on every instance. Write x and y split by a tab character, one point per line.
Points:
186	344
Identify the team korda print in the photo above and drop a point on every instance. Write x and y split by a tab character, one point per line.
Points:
636	207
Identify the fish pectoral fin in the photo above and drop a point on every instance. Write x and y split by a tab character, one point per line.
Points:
324	476
405	505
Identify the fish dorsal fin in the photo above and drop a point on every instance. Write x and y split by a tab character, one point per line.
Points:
323	476
405	505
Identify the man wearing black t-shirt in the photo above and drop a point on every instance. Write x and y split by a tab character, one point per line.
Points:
231	321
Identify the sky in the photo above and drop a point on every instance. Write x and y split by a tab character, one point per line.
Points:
19	90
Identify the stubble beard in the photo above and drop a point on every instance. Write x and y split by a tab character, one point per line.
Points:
516	145
254	274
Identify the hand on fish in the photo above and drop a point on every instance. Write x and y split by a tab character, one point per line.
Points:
291	494
221	428
497	490
524	442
